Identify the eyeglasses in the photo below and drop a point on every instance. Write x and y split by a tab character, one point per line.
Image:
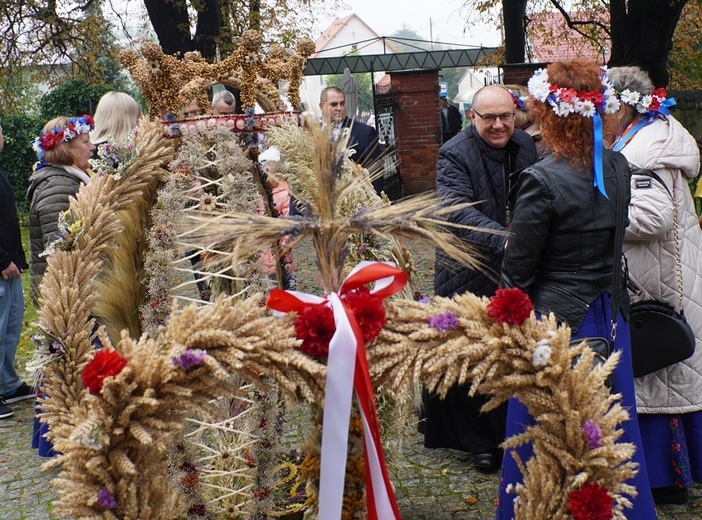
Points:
490	119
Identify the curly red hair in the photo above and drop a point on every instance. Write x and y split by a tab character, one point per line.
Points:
569	137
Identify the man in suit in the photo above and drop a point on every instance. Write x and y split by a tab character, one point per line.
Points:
451	119
363	138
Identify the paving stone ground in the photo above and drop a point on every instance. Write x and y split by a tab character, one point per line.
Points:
429	484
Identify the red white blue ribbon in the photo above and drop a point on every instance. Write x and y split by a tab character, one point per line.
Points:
347	371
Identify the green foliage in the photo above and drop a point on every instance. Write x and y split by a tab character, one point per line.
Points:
365	90
18	157
72	98
686	56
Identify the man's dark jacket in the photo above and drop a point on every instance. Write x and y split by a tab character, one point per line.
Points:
470	170
364	139
454	120
10	237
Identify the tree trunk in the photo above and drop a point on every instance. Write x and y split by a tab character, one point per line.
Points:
643	36
513	12
170	21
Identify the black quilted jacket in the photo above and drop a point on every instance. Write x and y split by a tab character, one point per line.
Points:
470	170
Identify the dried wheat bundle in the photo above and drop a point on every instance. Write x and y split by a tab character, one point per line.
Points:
67	292
338	204
121	436
455	340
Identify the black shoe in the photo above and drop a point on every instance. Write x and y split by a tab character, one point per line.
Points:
486	462
670	495
24	391
5	411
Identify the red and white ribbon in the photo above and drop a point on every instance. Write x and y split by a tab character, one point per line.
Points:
347	370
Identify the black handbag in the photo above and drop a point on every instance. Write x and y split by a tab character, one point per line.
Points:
602	349
660	335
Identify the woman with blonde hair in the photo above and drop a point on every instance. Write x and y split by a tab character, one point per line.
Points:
116	115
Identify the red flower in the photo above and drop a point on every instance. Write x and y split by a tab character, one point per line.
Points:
655	104
659	92
48	141
315	327
105	363
511	306
567	94
591	502
368	310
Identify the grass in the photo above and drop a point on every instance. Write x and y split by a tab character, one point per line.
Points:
25	349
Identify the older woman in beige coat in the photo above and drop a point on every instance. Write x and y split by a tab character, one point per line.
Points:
669	401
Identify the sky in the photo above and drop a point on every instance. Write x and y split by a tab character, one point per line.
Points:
440	19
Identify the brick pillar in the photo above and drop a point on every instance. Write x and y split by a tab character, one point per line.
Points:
519	73
418	126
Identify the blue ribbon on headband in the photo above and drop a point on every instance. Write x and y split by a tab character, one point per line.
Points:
598	180
666	105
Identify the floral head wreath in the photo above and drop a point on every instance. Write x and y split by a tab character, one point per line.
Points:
74	126
566	101
650	105
519	101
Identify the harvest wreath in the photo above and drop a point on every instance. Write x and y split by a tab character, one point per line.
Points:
115	414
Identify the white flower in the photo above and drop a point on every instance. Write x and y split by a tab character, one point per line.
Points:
538	85
611	104
207	202
642	107
585	108
541	354
563	109
81	128
629	97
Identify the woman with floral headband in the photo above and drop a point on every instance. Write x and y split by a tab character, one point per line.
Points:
64	150
561	250
668	401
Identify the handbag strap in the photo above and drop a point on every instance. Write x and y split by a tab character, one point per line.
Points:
676	233
621	210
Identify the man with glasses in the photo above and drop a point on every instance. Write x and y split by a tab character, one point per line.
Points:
476	166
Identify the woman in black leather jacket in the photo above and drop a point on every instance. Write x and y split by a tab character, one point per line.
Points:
561	245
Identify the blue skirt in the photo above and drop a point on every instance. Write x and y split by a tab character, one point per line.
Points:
596	323
673	448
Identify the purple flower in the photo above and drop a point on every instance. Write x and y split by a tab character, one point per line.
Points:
189	359
443	322
424	299
106	500
362	247
593	434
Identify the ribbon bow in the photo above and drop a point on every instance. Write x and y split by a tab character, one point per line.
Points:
347	349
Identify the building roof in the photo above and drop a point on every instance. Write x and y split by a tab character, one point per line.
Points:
551	39
328	35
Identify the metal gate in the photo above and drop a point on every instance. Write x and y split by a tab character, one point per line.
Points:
384	104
